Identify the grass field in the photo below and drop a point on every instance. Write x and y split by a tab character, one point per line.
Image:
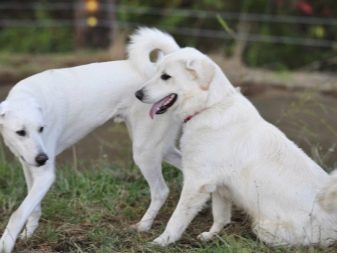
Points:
91	210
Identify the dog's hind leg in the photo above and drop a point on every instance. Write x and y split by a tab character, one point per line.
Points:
173	157
278	233
43	177
221	210
33	220
149	160
190	203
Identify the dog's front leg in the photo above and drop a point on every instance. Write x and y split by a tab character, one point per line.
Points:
221	210
190	203
33	219
43	177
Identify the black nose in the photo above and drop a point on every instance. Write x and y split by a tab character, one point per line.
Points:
140	94
41	159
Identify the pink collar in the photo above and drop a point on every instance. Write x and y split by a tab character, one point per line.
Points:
189	117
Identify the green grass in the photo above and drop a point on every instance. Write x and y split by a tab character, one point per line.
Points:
91	210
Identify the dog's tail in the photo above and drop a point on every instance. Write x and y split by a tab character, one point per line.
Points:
143	42
328	197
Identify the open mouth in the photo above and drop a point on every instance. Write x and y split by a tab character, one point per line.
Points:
162	105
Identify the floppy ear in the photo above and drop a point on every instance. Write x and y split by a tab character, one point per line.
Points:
202	70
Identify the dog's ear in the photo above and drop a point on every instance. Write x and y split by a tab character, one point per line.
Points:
202	70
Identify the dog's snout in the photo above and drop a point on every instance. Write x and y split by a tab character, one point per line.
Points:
140	94
41	159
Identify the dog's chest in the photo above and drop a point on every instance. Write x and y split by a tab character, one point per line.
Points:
199	143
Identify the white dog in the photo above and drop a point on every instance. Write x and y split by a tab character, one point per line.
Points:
230	152
48	112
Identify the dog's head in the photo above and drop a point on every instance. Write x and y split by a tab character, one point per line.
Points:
185	81
22	128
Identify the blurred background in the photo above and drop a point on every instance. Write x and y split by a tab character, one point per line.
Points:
282	53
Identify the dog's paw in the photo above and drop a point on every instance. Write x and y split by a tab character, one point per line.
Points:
26	234
163	240
29	230
206	236
142	226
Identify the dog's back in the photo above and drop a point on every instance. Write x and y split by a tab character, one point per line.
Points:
86	96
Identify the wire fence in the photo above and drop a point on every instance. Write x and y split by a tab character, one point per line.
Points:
185	31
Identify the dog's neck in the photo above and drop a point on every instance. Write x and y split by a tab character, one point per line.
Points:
220	89
189	117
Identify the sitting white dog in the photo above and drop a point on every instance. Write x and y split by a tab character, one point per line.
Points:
48	112
230	152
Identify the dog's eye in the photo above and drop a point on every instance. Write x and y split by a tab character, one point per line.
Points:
165	77
21	133
41	129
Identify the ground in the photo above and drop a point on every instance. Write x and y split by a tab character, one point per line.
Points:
91	210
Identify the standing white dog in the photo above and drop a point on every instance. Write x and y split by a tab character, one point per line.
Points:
230	152
48	112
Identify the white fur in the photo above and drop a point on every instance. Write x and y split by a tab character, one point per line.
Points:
328	198
71	102
231	152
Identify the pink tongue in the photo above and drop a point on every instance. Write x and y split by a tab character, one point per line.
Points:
156	106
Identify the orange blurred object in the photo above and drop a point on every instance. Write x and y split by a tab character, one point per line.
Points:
91	5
